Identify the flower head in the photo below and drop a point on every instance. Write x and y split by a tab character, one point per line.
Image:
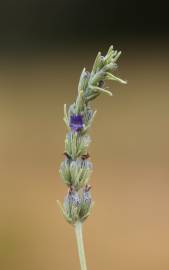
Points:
76	122
76	168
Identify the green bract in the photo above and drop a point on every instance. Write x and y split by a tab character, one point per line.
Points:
76	173
76	145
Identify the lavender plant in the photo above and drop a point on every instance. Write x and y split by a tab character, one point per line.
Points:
76	168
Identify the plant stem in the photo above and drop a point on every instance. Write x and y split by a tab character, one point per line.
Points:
80	245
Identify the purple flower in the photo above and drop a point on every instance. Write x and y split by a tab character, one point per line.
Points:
76	122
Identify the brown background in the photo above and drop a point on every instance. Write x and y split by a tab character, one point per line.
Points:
129	226
39	72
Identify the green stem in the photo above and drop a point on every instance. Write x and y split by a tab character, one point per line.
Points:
80	245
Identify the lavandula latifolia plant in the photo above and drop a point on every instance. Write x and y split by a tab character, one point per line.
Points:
76	168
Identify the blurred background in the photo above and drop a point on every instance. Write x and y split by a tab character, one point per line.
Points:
43	47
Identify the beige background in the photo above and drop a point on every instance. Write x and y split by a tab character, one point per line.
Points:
129	226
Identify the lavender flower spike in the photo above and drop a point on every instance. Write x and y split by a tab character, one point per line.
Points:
76	122
75	170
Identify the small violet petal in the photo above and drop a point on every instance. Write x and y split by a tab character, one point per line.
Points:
76	122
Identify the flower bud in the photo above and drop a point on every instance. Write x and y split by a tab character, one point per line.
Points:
87	115
65	171
85	205
72	205
76	173
76	145
84	78
77	205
